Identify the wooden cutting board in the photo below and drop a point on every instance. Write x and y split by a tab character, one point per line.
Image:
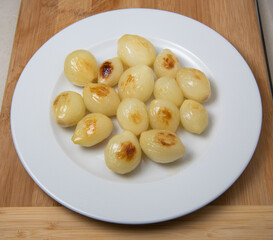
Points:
236	20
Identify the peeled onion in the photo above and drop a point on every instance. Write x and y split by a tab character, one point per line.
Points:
166	64
81	67
168	89
161	146
101	98
194	117
132	115
68	108
92	129
123	153
163	115
194	84
136	82
134	50
110	71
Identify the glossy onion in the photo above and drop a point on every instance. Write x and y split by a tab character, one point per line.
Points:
92	129
166	64
101	98
168	89
134	50
68	108
123	153
194	84
132	115
110	71
161	146
163	115
194	117
81	68
136	82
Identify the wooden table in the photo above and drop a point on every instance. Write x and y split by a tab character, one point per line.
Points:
244	211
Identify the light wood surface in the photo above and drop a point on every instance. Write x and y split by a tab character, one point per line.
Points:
39	20
211	222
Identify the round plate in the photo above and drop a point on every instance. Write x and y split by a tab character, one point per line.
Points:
78	178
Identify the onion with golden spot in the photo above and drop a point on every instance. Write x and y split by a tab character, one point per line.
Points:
163	115
166	64
101	98
161	146
92	129
110	71
123	153
136	82
132	115
68	108
81	67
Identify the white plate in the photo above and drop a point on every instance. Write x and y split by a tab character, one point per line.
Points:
78	178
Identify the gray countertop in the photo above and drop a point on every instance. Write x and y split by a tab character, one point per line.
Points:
266	15
9	10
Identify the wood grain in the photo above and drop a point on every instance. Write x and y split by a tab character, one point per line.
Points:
211	222
236	20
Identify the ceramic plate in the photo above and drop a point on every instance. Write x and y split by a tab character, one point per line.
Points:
78	178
